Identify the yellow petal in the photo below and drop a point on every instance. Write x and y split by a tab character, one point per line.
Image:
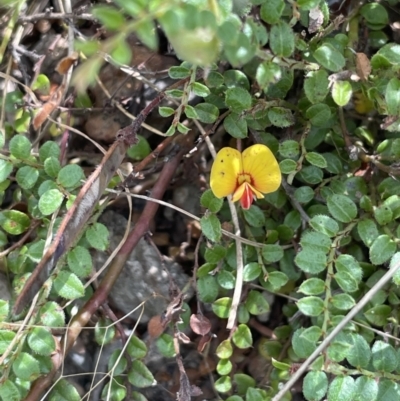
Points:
260	163
224	172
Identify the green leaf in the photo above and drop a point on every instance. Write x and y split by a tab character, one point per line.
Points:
312	286
302	347
166	111
311	261
140	376
272	253
271	11
348	263
121	52
211	227
64	391
254	216
5	170
243	382
165	345
52	167
224	367
317	241
98	236
324	225
315	386
281	117
226	280
287	166
207	289
176	93
117	391
275	280
304	194
147	32
382	249
256	303
215	254
224	349
190	112
268	73
307	5
366	389
70	176
235	125
289	148
375	14
140	150
178	72
329	57
50	201
80	261
6	337
242	337
20	147
392	97
311	306
223	384
342	208
207	112
210	201
68	286
281	39
52	315
104	331
238	99
343	301
316	86
26	367
368	231
388	390
384	357
182	128
14	222
137	348
41	341
316	159
9	391
378	315
319	114
221	307
342	388
251	271
110	17
256	394
27	176
214	79
200	89
342	92
359	354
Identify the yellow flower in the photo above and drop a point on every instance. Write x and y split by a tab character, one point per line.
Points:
246	176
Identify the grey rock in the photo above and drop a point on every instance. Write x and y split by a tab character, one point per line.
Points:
143	278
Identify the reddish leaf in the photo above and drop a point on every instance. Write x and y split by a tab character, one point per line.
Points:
200	324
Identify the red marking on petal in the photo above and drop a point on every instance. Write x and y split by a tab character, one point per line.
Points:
247	198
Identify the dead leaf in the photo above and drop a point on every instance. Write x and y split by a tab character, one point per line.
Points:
65	64
316	20
182	337
155	327
203	342
48	108
363	66
200	324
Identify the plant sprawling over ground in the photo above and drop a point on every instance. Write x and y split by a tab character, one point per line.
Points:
271	130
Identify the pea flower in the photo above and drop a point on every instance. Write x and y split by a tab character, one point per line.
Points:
246	176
